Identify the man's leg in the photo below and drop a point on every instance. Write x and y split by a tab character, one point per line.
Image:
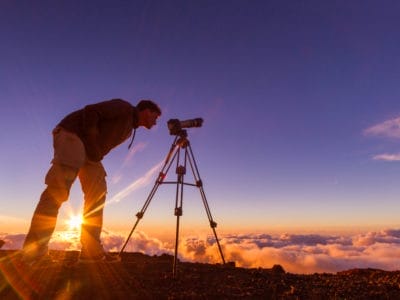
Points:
92	177
69	156
59	180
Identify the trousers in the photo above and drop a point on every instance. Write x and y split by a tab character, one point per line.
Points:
69	162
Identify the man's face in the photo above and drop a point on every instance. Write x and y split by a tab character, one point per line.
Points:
150	118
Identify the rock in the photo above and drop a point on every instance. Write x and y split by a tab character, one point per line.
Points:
278	269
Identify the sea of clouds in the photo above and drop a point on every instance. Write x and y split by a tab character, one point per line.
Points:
297	253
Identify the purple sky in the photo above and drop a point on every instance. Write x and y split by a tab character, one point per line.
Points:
300	101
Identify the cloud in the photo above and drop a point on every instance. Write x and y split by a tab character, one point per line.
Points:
13	241
389	128
140	242
297	253
387	157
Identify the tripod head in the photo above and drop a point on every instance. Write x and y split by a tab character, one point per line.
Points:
182	133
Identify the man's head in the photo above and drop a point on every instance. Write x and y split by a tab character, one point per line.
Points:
148	113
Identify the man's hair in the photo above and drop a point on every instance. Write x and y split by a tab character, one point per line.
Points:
148	104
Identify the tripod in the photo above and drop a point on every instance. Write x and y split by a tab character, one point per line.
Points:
180	142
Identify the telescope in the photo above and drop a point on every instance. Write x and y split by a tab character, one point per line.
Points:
175	126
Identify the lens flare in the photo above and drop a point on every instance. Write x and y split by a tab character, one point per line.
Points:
75	222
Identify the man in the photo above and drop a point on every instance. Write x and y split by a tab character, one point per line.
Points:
80	142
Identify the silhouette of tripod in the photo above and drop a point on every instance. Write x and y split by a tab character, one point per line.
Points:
180	142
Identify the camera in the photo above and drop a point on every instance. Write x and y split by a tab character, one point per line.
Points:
175	126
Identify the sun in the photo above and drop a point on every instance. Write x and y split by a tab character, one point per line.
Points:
75	222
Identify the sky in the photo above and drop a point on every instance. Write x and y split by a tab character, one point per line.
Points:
299	149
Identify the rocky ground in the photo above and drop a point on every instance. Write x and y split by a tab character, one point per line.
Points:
139	276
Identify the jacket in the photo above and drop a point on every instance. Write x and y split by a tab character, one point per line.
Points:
102	126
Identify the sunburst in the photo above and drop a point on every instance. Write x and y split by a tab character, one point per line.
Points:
75	222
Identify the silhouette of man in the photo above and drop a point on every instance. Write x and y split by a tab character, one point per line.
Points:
80	142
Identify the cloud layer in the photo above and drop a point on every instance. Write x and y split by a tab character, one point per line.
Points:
296	253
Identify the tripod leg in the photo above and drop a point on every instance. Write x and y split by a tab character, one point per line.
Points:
199	184
159	181
180	171
178	213
140	214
